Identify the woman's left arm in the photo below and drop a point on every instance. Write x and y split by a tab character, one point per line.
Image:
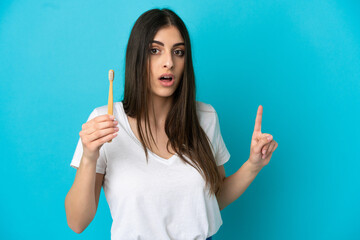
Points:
261	149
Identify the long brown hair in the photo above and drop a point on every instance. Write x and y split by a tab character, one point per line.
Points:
182	125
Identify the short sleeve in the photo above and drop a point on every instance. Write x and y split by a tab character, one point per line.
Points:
212	127
101	162
222	154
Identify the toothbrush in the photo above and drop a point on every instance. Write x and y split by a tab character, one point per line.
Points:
110	100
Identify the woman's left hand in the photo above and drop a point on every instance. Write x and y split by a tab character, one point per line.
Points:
262	144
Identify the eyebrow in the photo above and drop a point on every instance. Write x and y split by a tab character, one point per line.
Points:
160	43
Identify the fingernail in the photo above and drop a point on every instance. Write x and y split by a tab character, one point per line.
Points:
269	138
112	117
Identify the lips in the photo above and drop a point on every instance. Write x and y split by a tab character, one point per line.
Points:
167	76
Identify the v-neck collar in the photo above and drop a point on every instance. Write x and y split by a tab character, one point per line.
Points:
133	136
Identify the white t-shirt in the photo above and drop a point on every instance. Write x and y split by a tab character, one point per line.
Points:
164	199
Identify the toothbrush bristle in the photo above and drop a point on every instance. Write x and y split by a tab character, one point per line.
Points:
111	75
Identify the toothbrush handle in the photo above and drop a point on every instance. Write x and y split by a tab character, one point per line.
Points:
110	101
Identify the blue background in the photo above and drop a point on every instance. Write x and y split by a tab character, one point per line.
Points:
299	59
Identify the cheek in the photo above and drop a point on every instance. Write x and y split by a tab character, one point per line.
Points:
182	71
180	65
152	73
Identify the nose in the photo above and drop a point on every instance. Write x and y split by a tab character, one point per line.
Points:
168	61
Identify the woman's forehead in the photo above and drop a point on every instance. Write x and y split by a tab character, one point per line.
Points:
168	36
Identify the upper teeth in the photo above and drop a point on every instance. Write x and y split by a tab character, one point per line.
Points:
166	77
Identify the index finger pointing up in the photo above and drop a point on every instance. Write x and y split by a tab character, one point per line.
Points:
258	119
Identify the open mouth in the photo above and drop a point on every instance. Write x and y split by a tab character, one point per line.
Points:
166	79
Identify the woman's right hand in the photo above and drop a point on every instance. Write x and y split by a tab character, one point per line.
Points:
95	133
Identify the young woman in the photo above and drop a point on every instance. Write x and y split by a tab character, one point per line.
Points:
162	174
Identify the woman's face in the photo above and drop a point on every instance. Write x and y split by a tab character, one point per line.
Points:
166	56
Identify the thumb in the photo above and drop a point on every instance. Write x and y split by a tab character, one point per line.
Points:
265	138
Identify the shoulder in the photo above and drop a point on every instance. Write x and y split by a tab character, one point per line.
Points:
206	114
204	110
202	107
101	110
104	109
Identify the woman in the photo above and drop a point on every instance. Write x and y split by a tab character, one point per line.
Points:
163	171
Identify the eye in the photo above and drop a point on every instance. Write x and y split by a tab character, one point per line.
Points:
153	50
179	52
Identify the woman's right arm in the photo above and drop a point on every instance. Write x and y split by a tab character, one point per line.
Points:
82	199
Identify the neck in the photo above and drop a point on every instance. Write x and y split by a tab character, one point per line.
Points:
159	108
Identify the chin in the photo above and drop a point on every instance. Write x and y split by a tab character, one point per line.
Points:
163	94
